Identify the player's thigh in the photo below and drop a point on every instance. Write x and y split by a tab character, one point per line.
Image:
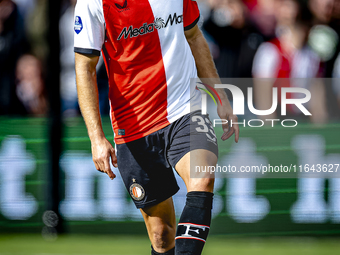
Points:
194	146
160	221
194	167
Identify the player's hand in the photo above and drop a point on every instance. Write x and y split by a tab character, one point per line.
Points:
228	130
102	151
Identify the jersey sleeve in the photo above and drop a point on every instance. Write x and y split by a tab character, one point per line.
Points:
191	14
89	27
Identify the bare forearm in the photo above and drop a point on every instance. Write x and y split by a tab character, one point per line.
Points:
204	62
88	95
205	65
208	74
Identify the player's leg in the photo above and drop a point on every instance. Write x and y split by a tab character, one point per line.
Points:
160	221
151	183
197	181
194	224
194	143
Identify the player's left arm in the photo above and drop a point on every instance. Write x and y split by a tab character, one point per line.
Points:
208	74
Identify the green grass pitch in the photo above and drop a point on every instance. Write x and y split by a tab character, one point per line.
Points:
139	245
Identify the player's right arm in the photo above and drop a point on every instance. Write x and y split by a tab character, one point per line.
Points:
88	40
86	77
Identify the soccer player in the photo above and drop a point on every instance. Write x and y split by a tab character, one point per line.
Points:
152	48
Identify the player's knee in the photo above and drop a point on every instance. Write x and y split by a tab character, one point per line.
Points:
201	184
163	237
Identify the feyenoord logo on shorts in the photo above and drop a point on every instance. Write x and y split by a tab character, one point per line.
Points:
137	191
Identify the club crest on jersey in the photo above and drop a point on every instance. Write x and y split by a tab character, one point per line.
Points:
148	28
78	25
137	191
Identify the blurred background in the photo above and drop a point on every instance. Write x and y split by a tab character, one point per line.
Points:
53	201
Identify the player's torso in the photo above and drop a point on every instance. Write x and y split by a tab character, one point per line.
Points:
149	64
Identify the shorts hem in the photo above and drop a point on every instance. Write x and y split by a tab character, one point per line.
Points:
177	159
155	201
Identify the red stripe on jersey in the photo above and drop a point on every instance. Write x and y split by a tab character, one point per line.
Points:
190	12
134	62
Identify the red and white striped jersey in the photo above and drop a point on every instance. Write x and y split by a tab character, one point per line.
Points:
148	60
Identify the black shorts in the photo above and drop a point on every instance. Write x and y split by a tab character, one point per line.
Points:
146	163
